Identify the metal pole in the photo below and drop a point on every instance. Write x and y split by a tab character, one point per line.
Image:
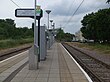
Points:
35	29
53	32
48	32
48	11
39	39
51	22
48	21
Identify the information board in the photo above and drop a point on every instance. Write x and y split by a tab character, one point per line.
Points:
27	13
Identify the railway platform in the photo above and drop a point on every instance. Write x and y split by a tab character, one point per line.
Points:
58	67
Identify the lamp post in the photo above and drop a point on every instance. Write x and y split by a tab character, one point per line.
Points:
53	26
51	22
51	40
53	31
48	12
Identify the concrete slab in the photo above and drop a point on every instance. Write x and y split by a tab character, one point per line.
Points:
12	67
58	67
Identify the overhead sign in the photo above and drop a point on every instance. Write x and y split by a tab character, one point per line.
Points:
28	13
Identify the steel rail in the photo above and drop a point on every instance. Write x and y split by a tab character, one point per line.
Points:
98	71
13	52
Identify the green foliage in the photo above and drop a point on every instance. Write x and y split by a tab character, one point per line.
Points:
68	37
96	26
61	36
9	43
10	36
9	31
104	48
108	1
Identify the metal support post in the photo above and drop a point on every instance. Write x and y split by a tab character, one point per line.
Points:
35	28
39	39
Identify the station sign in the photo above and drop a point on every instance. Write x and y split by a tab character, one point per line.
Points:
28	13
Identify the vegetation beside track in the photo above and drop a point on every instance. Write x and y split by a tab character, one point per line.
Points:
63	37
12	36
10	43
102	48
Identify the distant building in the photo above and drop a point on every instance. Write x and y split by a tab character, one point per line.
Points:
74	38
79	37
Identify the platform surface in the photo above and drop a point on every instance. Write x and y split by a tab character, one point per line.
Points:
58	67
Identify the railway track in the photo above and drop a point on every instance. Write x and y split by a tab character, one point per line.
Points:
97	70
13	52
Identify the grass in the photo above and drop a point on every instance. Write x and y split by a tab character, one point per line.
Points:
10	43
102	48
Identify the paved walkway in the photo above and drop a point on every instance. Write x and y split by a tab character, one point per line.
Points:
58	67
9	67
4	65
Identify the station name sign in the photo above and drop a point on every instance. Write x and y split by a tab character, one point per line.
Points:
28	13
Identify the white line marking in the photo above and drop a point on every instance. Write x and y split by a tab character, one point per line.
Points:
13	57
87	76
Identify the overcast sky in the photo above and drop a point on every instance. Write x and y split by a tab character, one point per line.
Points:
62	11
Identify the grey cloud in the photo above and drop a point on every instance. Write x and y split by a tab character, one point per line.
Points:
62	9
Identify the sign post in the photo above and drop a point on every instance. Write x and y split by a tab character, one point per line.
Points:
36	13
39	11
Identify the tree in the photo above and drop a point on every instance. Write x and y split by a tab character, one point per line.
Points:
10	22
88	28
61	36
108	1
8	30
96	26
68	37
